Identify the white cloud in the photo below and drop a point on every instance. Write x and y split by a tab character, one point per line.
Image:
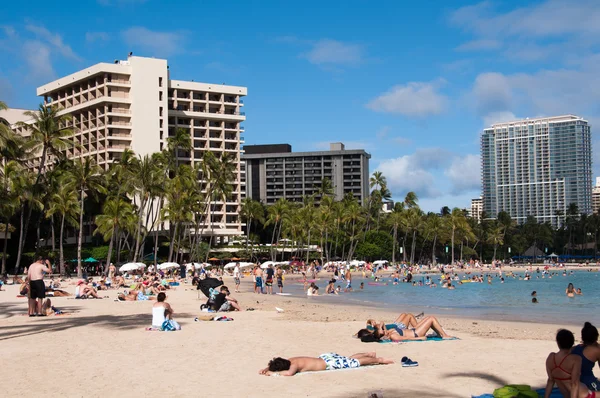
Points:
155	42
92	37
464	173
480	44
431	173
54	39
492	92
37	57
333	52
414	99
534	32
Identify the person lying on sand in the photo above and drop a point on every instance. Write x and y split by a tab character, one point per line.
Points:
404	320
134	295
396	333
564	368
330	361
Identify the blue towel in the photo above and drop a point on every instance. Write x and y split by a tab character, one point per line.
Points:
555	394
429	338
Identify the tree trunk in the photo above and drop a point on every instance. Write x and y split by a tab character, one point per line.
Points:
52	233
404	246
110	248
5	246
433	250
308	246
21	244
453	229
80	236
172	242
61	255
394	237
155	248
413	246
273	239
495	247
139	227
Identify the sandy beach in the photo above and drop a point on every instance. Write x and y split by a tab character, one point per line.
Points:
103	349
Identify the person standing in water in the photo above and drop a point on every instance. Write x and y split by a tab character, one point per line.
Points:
570	290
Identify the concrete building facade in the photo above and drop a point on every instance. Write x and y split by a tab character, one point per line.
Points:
133	104
274	171
476	208
537	167
596	197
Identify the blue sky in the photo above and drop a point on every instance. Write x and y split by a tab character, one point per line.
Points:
413	84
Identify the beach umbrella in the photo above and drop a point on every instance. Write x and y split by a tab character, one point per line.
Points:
166	266
197	265
131	267
213	259
242	265
235	259
90	260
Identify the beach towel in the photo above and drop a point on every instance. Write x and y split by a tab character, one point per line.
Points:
429	338
555	394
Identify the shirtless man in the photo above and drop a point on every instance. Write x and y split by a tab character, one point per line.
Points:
258	275
279	277
329	361
37	288
348	280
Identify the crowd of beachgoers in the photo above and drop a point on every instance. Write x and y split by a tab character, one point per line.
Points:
570	368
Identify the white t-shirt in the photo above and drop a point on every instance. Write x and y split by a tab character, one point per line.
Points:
236	272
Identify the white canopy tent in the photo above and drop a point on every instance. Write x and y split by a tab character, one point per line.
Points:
273	263
166	266
132	267
242	265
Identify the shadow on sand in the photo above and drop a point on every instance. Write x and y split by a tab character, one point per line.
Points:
59	323
426	392
479	375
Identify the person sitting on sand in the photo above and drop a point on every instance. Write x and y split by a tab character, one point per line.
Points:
118	281
564	369
330	361
24	288
570	292
396	333
161	311
225	303
48	309
589	352
83	291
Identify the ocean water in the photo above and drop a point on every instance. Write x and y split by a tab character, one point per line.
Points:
510	300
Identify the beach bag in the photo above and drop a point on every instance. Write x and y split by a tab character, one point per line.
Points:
170	326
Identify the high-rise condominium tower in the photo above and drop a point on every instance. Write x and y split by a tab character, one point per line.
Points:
537	167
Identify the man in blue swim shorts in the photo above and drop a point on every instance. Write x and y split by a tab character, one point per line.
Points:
329	361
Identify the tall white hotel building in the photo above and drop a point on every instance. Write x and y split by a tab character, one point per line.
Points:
133	104
537	167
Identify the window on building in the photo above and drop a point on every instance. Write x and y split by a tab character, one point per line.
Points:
160	111
160	96
160	82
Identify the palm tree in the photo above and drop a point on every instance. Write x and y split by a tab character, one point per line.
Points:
413	221
410	200
116	215
251	211
377	180
181	141
496	237
10	173
434	227
49	135
455	221
395	219
87	176
147	180
64	203
275	215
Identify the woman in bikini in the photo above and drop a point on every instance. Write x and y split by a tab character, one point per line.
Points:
564	369
397	333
